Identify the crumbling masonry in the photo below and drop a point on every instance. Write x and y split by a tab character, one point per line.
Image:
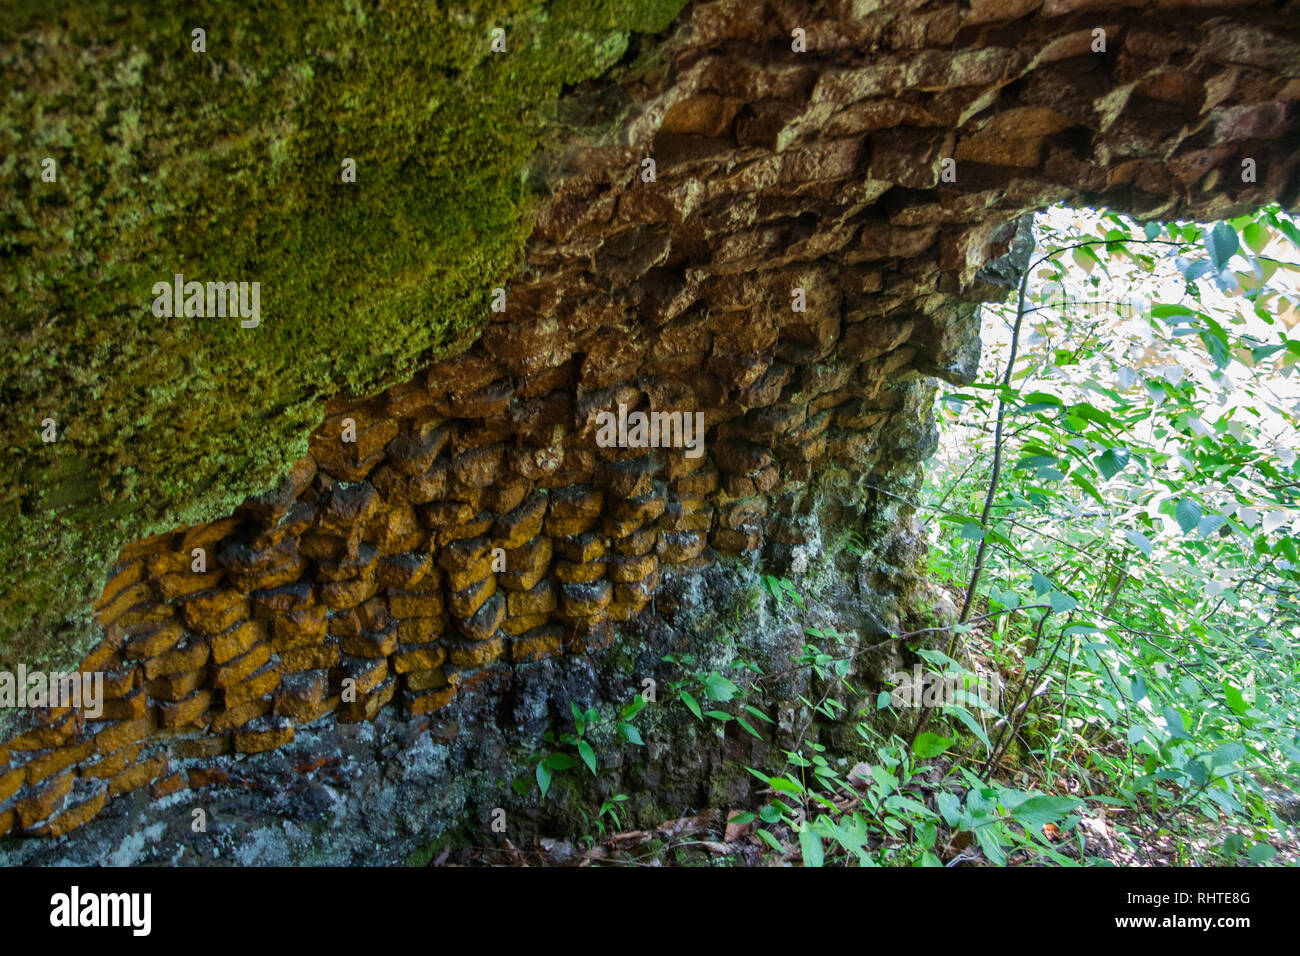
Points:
379	560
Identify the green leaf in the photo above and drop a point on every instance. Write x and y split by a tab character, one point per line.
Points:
631	734
1234	698
717	687
1062	602
560	762
758	713
1256	236
692	705
1210	523
1139	541
1188	514
785	785
1087	486
543	777
1112	461
588	755
1174	723
971	531
810	844
965	716
752	732
1217	346
769	814
1262	853
770	841
721	715
949	807
740	819
930	745
1042	584
1037	812
1226	754
1221	243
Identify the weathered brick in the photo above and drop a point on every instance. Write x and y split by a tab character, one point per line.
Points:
188	657
402	605
265	733
521	524
633	569
582	549
403	572
368	644
53	734
365	673
11	782
237	641
186	711
365	708
584	600
299	628
537	644
235	671
127	598
428	701
44	800
45	765
309	658
182	583
120	734
526	565
263	570
486	620
478	654
345	594
121	577
540	599
506	495
421	630
355	562
173	783
224	721
273	602
110	765
566	572
417	657
215	611
463	604
131	707
258	684
79	815
203	748
301	693
151	641
425	680
515	626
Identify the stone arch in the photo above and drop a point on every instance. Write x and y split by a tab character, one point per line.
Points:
375	560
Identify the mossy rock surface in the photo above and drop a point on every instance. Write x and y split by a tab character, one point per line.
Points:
226	166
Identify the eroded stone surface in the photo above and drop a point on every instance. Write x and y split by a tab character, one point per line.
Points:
377	565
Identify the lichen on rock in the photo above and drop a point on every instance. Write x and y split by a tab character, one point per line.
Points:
224	166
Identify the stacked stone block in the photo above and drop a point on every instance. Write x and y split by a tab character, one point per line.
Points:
473	525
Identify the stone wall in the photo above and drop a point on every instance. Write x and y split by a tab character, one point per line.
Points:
462	551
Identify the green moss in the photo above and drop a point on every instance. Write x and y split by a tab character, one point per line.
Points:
225	166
